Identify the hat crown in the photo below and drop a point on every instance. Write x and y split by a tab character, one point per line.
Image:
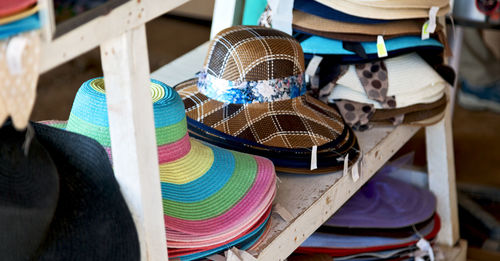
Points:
89	114
252	53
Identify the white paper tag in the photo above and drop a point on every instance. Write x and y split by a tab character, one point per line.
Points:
282	15
14	54
355	171
346	165
283	212
313	65
425	31
314	157
232	254
432	19
381	50
425	246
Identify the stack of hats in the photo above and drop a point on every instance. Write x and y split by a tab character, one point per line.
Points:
17	16
372	58
19	59
213	198
384	220
251	97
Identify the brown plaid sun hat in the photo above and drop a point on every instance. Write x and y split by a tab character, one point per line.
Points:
251	96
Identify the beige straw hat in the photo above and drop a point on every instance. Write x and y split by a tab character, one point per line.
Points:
388	9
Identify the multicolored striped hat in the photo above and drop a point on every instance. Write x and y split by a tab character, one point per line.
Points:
210	195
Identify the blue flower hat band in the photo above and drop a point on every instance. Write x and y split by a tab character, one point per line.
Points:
242	92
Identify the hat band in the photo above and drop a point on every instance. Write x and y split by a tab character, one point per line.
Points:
241	92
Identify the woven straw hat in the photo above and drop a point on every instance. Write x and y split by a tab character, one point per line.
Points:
388	9
252	88
29	23
395	46
19	15
318	9
316	25
10	7
210	195
59	199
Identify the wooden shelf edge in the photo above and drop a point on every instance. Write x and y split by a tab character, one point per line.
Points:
455	253
118	20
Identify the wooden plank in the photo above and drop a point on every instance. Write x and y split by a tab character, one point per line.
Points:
226	14
454	253
126	75
89	35
47	19
313	199
441	169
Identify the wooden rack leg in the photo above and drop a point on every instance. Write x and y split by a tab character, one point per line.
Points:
126	76
441	169
228	13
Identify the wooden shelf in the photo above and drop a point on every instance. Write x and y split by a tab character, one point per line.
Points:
120	32
310	199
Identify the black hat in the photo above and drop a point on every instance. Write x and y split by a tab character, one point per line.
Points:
59	199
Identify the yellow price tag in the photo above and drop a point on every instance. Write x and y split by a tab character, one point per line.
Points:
381	50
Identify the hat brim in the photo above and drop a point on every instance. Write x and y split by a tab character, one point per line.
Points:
398	27
19	15
337	252
91	208
302	121
290	163
242	241
392	11
390	204
241	216
12	7
233	190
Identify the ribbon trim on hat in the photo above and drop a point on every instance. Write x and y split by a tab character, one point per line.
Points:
242	92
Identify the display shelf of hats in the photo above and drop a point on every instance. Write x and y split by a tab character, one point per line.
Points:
211	198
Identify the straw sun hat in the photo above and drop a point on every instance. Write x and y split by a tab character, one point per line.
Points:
210	195
250	96
388	9
59	199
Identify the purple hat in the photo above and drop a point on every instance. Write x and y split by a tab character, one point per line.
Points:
384	202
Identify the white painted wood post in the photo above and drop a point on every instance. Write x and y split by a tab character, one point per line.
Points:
441	169
135	157
47	18
226	14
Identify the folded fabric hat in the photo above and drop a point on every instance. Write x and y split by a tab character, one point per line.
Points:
358	245
356	241
252	88
321	10
367	51
384	202
18	82
59	199
29	23
315	25
9	7
210	195
388	9
19	15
